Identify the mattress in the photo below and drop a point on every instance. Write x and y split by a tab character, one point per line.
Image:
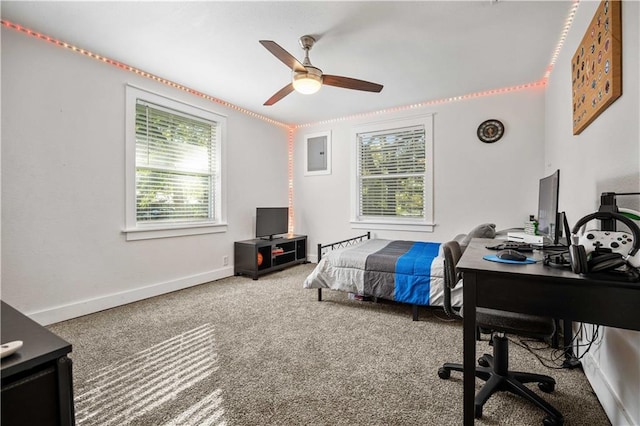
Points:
403	271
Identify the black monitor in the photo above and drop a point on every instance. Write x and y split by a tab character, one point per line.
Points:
549	222
271	221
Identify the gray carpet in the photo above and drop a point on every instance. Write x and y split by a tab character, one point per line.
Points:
266	352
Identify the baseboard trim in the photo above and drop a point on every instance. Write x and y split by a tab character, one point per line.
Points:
608	398
85	307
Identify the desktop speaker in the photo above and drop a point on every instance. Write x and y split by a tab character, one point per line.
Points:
601	251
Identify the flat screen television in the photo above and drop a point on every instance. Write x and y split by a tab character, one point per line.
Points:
271	221
549	222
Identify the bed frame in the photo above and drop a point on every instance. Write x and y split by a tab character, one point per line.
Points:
340	244
322	249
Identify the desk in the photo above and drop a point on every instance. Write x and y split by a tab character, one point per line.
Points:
37	386
536	289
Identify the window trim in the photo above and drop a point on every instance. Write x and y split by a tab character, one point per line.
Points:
425	224
142	231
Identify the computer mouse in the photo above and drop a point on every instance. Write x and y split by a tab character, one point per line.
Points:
511	255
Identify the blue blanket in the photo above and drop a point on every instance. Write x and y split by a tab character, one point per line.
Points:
401	271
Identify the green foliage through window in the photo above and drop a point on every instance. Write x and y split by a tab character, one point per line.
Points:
391	173
175	158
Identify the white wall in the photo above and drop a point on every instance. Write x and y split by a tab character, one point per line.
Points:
63	252
474	182
604	157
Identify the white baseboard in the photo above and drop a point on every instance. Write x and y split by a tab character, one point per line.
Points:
85	307
611	403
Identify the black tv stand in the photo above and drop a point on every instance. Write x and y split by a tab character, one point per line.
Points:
261	256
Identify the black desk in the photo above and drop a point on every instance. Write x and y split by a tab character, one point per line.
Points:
37	387
536	289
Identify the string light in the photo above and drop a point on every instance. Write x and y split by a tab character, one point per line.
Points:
492	92
140	72
291	128
563	37
226	104
290	132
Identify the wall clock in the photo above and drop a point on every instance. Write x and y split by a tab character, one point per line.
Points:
490	131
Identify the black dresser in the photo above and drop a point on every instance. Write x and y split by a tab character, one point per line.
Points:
37	384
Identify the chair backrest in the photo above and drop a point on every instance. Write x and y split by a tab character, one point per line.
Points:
452	254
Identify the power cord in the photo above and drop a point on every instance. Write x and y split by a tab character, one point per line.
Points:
558	258
558	358
551	362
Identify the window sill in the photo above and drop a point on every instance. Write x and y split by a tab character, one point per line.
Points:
167	231
393	226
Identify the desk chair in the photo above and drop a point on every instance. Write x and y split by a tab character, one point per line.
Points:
494	369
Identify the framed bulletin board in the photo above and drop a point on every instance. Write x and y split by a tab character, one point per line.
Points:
596	68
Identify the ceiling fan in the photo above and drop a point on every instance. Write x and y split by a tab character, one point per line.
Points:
308	79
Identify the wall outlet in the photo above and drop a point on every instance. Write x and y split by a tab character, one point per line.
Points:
225	260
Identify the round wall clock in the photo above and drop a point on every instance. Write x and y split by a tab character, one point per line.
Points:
490	131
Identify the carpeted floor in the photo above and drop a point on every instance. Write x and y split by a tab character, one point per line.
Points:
266	352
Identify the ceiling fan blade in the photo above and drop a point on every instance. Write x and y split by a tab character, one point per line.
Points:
280	94
283	55
351	83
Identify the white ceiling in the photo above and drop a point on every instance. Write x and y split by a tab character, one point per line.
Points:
419	50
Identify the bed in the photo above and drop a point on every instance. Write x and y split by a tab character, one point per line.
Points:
403	271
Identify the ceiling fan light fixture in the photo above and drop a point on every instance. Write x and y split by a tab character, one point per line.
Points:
308	82
306	78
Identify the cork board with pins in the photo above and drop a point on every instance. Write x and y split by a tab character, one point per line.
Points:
596	68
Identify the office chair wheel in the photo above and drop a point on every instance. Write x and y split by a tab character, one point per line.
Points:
552	421
443	373
546	387
482	361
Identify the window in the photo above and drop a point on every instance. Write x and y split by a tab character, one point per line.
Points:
174	179
394	175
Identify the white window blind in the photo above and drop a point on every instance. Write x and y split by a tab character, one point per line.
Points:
175	165
391	173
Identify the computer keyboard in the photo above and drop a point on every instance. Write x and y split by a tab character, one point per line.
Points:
513	245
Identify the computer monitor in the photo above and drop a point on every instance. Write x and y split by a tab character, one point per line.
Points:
549	223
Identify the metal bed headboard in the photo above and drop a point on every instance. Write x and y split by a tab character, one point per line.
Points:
340	244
